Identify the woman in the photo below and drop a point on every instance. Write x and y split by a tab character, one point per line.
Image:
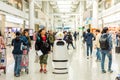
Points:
27	39
44	45
2	45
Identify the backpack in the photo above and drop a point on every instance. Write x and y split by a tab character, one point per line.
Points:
51	38
104	44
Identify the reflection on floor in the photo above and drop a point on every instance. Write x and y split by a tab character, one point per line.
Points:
80	67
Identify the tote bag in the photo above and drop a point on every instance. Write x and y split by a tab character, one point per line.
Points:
39	53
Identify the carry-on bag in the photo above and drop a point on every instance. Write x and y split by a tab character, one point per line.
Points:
117	49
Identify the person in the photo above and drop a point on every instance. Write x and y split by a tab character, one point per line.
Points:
17	53
34	35
9	36
97	45
65	36
43	44
118	38
2	45
75	35
89	37
51	38
70	40
26	38
83	35
106	49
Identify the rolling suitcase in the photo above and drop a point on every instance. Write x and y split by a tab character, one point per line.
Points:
117	49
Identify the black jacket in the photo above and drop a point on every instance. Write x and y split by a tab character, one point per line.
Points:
41	46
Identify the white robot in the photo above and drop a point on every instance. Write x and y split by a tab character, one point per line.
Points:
60	55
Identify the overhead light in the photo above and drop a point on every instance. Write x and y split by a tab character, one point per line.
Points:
64	2
65	16
64	6
73	6
64	10
54	6
52	3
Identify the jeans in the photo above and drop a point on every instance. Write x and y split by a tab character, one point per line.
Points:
17	67
89	46
117	42
98	54
104	53
71	44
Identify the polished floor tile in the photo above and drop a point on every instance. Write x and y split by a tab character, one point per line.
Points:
80	68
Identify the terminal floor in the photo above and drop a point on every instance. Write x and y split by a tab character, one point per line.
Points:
80	68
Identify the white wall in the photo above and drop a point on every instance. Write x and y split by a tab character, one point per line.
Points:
110	15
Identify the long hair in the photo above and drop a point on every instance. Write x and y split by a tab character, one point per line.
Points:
0	33
24	31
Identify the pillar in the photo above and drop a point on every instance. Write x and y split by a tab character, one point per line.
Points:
31	15
76	22
95	14
2	26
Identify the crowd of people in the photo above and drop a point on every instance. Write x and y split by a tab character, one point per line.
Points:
103	43
44	41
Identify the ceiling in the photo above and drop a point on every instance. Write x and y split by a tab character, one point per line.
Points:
64	6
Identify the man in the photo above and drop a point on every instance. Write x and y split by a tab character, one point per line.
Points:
51	39
89	37
97	45
106	49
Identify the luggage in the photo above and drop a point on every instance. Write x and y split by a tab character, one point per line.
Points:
117	49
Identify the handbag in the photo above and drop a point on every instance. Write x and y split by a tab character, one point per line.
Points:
39	53
45	44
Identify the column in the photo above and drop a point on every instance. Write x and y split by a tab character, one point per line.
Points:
52	22
112	2
23	5
2	26
82	8
31	15
95	14
76	22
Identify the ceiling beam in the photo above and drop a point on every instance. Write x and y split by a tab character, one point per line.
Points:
60	14
60	0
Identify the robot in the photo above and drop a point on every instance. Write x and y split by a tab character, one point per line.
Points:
60	55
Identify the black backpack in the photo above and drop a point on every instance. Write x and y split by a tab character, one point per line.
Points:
104	44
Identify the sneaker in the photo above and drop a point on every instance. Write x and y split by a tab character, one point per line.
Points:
41	70
110	71
103	71
17	75
45	71
87	57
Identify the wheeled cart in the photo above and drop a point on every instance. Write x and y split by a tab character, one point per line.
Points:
3	61
25	61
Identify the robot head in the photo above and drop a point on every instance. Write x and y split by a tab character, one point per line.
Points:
59	35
